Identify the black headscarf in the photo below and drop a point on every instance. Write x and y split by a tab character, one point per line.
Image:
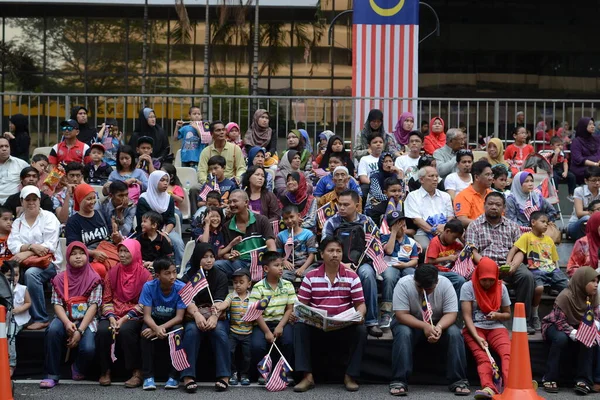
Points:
87	134
19	146
382	175
587	139
160	148
346	159
217	280
374	115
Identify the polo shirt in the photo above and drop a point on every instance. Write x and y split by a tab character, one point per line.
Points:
584	194
420	204
237	306
281	297
334	297
469	203
235	162
258	231
61	153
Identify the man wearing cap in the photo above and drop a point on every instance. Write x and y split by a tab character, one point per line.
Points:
342	181
29	176
70	148
35	233
446	156
235	163
468	204
10	170
87	134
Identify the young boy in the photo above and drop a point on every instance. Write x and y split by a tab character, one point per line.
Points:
273	323
500	179
392	188
560	165
443	251
154	243
401	256
516	153
6	221
542	259
63	199
97	172
144	149
216	168
239	331
192	135
40	162
305	245
407	163
369	163
20	314
111	138
163	312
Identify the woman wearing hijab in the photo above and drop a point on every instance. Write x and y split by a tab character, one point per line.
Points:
495	152
87	134
374	126
522	196
585	149
322	145
485	306
256	156
297	141
559	329
403	128
290	162
437	136
296	194
76	295
18	137
386	169
147	126
565	132
261	135
586	247
157	199
206	324
122	314
336	146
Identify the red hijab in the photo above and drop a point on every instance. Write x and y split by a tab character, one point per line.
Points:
591	231
82	281
434	141
300	198
127	281
491	299
82	190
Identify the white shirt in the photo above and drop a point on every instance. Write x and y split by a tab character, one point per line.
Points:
419	204
18	300
10	177
408	165
44	231
454	182
367	165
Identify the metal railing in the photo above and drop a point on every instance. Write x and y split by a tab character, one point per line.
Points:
479	117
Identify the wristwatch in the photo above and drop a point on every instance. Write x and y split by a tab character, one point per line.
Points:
80	331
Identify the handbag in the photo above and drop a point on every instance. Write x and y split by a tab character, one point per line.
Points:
77	306
38	261
134	192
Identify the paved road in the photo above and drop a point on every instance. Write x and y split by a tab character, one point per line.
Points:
70	391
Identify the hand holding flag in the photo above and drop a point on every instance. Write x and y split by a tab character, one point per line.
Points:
587	334
426	309
193	287
177	352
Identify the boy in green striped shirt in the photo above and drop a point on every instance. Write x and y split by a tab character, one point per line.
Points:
273	323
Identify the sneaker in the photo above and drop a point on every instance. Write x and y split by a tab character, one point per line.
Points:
530	330
149	384
374	331
261	381
386	320
570	198
244	380
172	384
233	380
536	323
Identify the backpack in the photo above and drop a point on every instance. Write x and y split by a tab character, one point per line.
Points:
352	236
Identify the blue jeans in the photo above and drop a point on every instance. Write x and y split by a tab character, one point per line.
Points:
56	339
368	279
407	338
576	229
178	246
456	280
391	276
259	345
228	267
13	331
35	278
219	340
559	343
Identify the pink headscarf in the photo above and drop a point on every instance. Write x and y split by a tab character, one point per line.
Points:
82	281
400	133
127	281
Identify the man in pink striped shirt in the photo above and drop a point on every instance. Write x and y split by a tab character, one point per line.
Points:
333	288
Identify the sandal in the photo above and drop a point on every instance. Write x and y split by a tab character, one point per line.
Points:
485	393
76	375
398	389
48	383
221	385
582	388
460	388
550	387
191	387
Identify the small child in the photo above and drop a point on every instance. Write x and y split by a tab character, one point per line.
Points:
144	149
210	229
239	331
195	136
370	162
401	256
560	165
110	136
97	172
6	221
500	179
516	153
273	323
216	167
40	162
233	135
305	245
20	314
163	312
443	251
542	260
154	243
213	199
393	191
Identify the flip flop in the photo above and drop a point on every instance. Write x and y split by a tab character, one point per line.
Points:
48	383
221	386
191	387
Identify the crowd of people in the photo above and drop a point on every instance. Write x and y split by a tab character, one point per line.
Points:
408	229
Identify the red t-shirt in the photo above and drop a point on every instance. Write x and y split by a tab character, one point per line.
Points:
61	153
436	250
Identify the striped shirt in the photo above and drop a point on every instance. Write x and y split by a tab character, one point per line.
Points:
236	306
319	292
283	295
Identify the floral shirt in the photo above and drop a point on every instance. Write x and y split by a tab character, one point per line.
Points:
580	256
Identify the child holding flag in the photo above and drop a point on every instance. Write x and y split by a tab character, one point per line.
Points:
485	305
273	323
297	245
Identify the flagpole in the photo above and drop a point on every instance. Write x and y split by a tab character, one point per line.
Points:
293	261
366	248
168	333
281	354
268	354
428	308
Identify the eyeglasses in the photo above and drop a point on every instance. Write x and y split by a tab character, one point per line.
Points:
464	151
594	180
66	128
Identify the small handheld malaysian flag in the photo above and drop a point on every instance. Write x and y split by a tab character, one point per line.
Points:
279	378
529	209
587	334
264	366
289	245
375	253
113	356
463	265
275	226
178	354
324	213
193	287
426	309
256	309
256	271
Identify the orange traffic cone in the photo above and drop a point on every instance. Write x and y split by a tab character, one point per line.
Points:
519	386
5	383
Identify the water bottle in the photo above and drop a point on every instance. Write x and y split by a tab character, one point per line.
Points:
187	186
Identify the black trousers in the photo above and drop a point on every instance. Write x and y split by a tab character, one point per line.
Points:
241	342
148	350
127	344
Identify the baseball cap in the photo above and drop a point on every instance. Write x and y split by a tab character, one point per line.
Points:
145	139
30	189
241	272
70	122
394	217
98	146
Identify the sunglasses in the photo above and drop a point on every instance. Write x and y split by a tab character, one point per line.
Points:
464	151
66	128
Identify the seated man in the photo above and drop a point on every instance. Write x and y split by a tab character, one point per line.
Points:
341	182
426	307
63	199
332	288
326	184
445	157
10	168
70	149
29	176
468	204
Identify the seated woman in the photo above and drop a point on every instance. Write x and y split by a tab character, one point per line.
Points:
559	329
261	201
322	142
122	314
290	162
256	156
457	181
76	295
523	200
585	250
386	169
485	305
297	141
297	195
582	197
205	323
157	199
35	233
89	227
261	135
126	172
